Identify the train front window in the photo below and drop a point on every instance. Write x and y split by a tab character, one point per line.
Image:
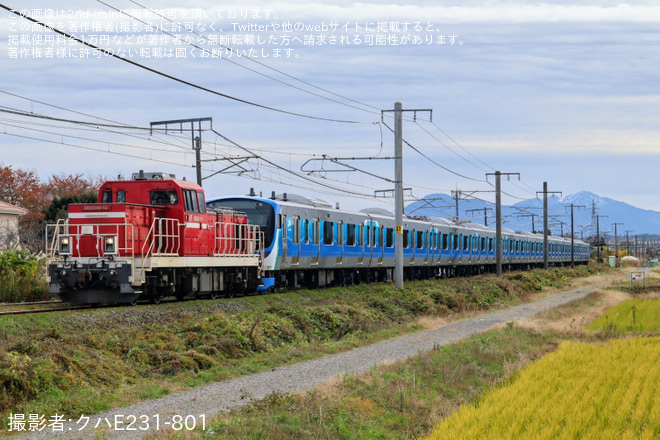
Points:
107	196
258	213
164	197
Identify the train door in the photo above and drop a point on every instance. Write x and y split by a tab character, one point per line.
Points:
316	240
368	241
283	236
378	244
340	241
433	251
293	239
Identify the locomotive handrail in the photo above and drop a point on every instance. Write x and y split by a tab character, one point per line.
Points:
236	239
94	230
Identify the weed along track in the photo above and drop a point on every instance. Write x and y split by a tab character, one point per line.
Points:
258	337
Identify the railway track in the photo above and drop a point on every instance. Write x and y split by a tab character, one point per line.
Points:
37	307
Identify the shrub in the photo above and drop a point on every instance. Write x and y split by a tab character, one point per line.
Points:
22	276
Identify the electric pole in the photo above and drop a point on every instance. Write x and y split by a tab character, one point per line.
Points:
616	245
573	233
545	222
485	210
398	188
498	218
598	240
196	140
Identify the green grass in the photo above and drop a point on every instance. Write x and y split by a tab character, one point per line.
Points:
634	315
86	362
397	401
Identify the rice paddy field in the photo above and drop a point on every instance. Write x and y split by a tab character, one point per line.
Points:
583	390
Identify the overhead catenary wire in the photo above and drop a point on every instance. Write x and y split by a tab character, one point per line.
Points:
90	126
269	108
373	110
425	156
288	171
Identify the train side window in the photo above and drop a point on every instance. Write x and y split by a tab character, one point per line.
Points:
360	236
340	233
350	235
445	241
406	239
389	237
296	230
121	196
368	232
316	231
107	196
304	225
328	232
420	239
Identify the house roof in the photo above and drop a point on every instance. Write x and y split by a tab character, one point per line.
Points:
8	208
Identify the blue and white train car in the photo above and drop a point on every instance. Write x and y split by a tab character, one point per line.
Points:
308	243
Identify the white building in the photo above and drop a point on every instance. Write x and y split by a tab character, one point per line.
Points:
9	215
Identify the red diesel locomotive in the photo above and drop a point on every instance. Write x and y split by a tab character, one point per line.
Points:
148	238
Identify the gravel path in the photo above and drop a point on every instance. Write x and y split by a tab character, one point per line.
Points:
222	396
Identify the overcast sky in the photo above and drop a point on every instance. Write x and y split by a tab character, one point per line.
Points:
563	92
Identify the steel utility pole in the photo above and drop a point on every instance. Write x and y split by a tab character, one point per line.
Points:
616	245
628	241
498	218
398	188
598	242
573	233
485	210
545	222
196	140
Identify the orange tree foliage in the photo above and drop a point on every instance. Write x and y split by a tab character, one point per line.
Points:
24	189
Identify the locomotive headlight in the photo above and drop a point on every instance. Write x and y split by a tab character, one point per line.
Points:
110	245
65	246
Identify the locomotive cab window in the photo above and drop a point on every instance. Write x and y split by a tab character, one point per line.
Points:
201	202
121	196
190	198
163	197
107	196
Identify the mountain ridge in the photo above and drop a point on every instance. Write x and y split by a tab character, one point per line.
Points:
590	212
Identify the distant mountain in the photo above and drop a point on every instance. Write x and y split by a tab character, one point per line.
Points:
528	214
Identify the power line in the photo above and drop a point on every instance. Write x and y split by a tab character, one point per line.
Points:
373	111
298	175
450	149
459	145
433	161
